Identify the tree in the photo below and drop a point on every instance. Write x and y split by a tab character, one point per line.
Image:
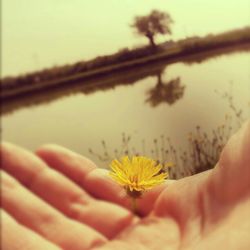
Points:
156	22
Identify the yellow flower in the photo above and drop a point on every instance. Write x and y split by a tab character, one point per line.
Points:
138	174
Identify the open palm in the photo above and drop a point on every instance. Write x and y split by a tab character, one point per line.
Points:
56	199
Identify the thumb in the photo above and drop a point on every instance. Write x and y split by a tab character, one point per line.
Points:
230	179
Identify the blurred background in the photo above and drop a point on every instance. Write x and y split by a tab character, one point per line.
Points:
83	74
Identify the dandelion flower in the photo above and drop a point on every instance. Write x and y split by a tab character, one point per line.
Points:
137	175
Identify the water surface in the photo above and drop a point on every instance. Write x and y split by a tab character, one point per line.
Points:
83	121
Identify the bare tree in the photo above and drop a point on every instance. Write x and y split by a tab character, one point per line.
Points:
156	22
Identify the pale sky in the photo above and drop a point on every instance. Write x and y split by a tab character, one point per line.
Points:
38	34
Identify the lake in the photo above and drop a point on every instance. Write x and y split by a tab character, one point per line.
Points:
154	112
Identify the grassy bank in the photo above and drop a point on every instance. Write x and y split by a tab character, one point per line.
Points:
110	81
123	60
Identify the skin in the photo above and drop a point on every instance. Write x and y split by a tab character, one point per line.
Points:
56	199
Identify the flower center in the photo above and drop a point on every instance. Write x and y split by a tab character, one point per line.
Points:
134	179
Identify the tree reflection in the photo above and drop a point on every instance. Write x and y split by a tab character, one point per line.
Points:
168	92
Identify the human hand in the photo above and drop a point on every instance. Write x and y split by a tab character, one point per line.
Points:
68	203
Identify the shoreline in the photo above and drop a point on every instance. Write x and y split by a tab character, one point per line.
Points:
110	81
12	87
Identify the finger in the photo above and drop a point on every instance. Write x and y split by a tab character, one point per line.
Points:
64	194
94	180
14	236
35	214
83	172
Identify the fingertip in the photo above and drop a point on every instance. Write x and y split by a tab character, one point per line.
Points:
5	147
100	185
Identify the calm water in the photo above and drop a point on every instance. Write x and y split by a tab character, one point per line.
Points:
81	121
